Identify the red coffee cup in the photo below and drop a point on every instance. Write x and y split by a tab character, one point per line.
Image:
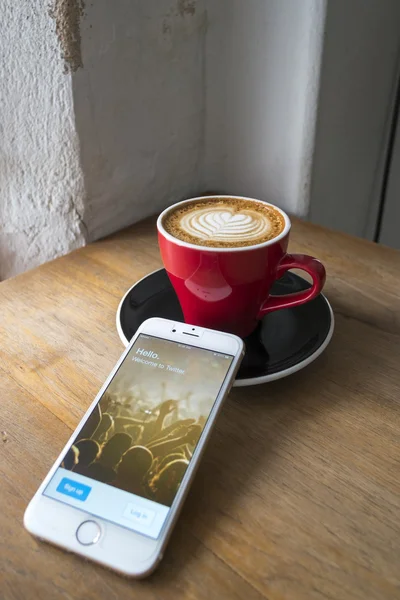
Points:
228	289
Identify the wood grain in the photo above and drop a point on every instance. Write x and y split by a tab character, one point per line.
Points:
298	495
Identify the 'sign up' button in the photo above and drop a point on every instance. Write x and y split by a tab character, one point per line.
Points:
71	488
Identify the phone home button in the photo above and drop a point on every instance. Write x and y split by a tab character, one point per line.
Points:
88	533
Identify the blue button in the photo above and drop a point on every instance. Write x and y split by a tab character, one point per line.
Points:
76	490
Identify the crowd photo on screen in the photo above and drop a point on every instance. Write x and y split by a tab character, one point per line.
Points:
143	432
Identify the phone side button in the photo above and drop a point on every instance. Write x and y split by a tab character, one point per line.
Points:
88	533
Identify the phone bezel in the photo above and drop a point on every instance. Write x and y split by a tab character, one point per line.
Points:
119	548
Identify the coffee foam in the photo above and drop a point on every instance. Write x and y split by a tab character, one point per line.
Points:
230	222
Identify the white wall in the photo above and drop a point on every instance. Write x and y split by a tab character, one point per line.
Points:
181	96
135	111
175	97
262	78
41	184
170	98
139	104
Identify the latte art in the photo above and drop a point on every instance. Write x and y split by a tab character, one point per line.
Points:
224	222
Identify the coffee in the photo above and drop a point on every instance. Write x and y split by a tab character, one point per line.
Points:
224	222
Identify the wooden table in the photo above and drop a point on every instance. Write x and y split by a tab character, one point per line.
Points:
298	495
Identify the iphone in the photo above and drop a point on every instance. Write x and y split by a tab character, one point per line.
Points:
116	490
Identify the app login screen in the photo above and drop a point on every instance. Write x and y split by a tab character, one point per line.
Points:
129	459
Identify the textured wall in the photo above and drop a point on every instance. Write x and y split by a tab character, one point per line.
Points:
102	119
67	15
41	184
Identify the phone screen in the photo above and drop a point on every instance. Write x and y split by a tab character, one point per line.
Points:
127	462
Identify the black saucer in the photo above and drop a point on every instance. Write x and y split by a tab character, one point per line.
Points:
285	341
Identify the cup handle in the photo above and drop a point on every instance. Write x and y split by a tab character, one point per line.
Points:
312	266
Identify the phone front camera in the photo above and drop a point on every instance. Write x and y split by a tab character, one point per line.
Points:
174	331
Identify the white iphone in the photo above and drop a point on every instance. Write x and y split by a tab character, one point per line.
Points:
116	490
